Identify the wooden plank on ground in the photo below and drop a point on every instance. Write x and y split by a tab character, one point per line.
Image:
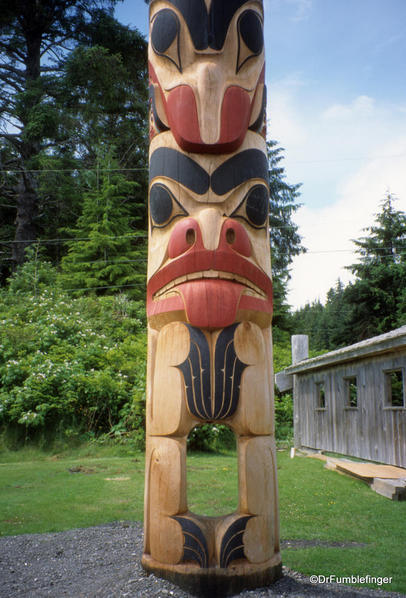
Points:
394	489
370	470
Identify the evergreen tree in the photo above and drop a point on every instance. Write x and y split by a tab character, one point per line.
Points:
377	296
105	253
310	320
42	115
106	91
376	301
284	237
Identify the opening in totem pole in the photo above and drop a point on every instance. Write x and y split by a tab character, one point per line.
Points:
209	291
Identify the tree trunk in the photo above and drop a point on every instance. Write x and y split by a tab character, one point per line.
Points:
27	197
27	210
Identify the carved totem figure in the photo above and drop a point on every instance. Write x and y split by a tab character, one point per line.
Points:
209	290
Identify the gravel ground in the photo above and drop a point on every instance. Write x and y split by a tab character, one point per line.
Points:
104	562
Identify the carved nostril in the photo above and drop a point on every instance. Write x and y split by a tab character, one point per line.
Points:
230	236
190	236
185	234
236	238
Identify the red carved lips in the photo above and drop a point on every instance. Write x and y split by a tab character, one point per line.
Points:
209	287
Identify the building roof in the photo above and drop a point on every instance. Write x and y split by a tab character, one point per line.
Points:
384	343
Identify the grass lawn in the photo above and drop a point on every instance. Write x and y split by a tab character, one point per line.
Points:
94	485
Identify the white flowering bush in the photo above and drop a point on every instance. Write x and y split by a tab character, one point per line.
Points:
71	367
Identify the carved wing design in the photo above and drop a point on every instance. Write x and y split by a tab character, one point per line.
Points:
228	371
195	545
221	401
232	546
196	374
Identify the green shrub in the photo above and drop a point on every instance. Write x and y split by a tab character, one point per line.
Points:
210	438
71	367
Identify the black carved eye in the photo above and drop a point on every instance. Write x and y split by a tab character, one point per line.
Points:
165	35
163	207
254	208
257	205
160	204
250	38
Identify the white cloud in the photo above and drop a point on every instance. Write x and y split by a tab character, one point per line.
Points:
360	107
285	122
347	155
328	231
300	9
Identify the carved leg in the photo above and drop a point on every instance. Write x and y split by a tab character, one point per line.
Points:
258	497
165	497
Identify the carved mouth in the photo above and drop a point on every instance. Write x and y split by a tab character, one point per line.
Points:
201	263
169	289
209	289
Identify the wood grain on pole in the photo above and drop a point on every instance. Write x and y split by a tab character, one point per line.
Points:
209	291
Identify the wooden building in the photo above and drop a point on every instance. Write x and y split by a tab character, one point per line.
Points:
351	401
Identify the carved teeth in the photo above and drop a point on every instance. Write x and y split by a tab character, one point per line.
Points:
251	289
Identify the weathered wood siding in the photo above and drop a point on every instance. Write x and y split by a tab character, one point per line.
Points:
373	430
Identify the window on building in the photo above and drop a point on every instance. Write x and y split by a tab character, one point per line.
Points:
351	392
320	395
395	395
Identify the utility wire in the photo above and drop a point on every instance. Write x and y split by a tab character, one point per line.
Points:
77	239
96	170
114	286
145	168
352	159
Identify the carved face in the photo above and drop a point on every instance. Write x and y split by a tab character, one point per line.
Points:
207	72
209	261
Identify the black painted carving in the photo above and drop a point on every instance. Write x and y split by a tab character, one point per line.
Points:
195	545
228	370
248	164
165	30
251	34
208	29
257	205
195	15
196	375
222	401
160	204
158	122
170	163
232	546
250	28
162	213
221	14
259	123
254	207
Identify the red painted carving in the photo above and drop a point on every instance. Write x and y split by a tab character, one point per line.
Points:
212	299
180	106
184	122
185	234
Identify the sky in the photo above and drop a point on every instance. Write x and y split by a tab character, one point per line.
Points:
335	73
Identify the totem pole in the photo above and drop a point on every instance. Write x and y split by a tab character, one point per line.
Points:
209	291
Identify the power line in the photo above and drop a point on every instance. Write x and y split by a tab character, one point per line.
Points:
143	235
145	168
77	239
113	261
19	171
351	159
118	286
377	254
